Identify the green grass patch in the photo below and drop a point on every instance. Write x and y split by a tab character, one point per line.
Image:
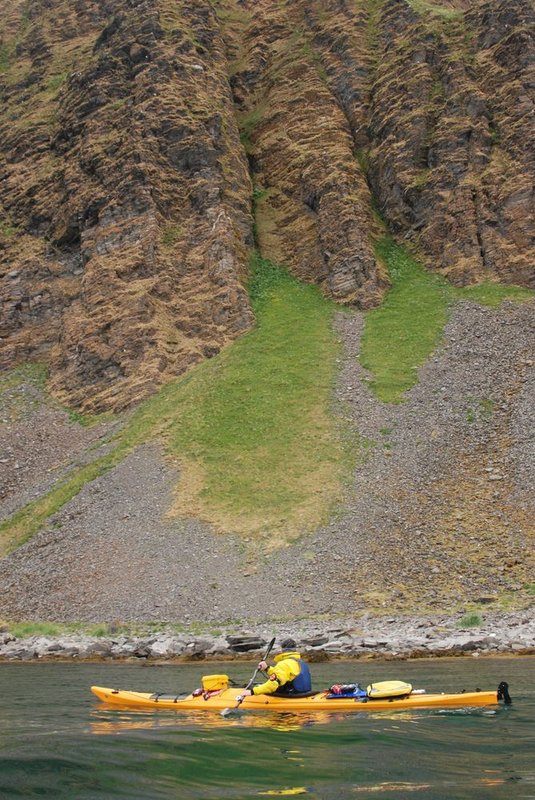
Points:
26	630
437	90
421	178
400	334
374	8
7	55
8	48
255	431
310	53
86	420
55	82
8	230
363	158
36	374
258	193
15	400
423	7
483	410
24	523
470	621
493	294
247	124
261	451
486	407
171	235
23	630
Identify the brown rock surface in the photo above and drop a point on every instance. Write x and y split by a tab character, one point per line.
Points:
313	210
451	129
127	199
125	192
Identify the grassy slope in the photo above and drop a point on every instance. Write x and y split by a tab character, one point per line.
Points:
258	424
423	7
252	428
405	329
399	335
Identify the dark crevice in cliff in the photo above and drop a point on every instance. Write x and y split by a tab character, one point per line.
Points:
479	233
314	213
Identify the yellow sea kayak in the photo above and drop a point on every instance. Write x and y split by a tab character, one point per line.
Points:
319	701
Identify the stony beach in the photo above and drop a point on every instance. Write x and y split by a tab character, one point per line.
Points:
390	638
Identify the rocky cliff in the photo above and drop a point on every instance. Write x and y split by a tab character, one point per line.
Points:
145	146
451	136
125	194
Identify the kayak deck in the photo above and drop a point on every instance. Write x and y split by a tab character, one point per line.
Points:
317	702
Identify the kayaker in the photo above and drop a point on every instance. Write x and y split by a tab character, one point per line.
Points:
289	675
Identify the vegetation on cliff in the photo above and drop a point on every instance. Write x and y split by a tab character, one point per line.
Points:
402	333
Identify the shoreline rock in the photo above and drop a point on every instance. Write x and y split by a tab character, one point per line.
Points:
392	638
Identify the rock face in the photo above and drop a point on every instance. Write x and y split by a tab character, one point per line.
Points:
451	136
313	207
127	195
127	198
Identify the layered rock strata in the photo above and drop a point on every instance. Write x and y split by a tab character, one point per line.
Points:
126	193
451	136
313	205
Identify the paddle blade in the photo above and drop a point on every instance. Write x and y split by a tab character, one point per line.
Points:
228	711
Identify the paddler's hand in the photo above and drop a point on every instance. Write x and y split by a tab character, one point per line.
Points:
241	697
262	666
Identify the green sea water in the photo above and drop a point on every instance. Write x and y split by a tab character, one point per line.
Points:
58	741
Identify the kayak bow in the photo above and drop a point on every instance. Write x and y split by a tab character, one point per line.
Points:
318	701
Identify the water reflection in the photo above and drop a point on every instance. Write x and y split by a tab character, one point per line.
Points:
111	721
391	787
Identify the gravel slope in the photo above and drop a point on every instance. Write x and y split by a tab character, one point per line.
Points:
438	515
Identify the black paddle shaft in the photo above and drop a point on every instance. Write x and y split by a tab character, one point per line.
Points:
266	654
227	711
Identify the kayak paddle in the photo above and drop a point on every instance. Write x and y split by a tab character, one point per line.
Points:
227	711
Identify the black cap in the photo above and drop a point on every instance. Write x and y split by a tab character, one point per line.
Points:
288	644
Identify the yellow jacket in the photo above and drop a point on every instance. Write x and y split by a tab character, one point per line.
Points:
286	669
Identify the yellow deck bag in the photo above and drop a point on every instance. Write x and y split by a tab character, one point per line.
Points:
212	683
385	689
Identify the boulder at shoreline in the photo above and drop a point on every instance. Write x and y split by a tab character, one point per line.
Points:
363	638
